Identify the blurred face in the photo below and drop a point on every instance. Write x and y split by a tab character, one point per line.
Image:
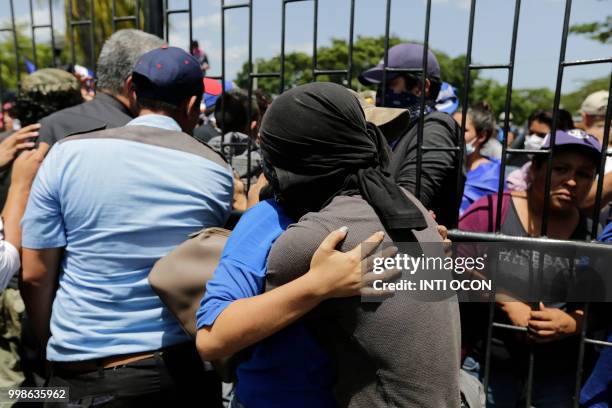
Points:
571	179
539	128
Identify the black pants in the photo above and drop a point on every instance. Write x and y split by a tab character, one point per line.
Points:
174	378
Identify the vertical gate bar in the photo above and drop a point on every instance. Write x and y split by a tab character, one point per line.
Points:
315	24
602	162
566	19
489	339
166	20
190	15
580	365
222	75
71	31
386	57
15	45
113	14
530	378
466	94
92	35
282	55
137	13
33	34
52	33
507	105
349	73
250	96
421	124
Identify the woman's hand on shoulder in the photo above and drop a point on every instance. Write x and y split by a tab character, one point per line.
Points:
336	274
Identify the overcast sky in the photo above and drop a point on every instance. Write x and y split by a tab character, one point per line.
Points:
539	37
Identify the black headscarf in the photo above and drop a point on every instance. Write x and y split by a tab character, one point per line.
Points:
317	144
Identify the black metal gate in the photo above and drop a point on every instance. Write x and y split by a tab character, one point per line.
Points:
156	13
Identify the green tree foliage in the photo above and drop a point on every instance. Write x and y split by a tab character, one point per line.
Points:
573	100
7	56
367	53
598	30
103	25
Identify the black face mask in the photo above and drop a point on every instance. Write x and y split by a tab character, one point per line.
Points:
403	100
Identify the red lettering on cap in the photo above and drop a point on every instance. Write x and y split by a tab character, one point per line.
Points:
158	66
186	62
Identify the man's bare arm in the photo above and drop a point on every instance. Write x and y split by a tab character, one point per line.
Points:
38	284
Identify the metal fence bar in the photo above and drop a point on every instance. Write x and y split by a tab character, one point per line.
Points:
553	130
386	55
349	74
421	123
15	45
76	23
119	19
168	12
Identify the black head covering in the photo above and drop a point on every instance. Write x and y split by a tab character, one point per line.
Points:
317	144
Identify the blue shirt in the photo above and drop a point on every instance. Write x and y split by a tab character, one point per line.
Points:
117	206
287	369
481	181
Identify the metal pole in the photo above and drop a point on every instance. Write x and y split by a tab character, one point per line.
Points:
154	17
282	55
421	123
553	136
502	174
15	45
349	74
33	34
386	57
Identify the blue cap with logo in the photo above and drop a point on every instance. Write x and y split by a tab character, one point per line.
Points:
578	139
405	55
168	74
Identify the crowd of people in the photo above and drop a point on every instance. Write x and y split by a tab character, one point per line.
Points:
310	182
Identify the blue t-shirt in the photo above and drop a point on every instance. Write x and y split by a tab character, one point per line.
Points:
117	206
289	368
481	181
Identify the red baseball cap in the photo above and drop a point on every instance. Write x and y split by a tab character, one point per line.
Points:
212	86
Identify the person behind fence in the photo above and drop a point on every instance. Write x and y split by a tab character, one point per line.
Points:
539	124
553	328
111	106
439	188
104	207
232	116
290	368
482	171
593	111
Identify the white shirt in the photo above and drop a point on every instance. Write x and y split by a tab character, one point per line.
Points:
9	260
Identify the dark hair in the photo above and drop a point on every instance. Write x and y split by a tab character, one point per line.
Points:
195	44
232	109
564	119
31	107
156	105
142	83
483	118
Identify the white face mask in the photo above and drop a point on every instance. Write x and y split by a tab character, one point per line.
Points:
533	142
469	148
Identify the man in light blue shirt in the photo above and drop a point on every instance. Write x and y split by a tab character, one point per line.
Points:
105	206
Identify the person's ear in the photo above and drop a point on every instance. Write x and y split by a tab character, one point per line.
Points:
253	125
193	106
427	86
